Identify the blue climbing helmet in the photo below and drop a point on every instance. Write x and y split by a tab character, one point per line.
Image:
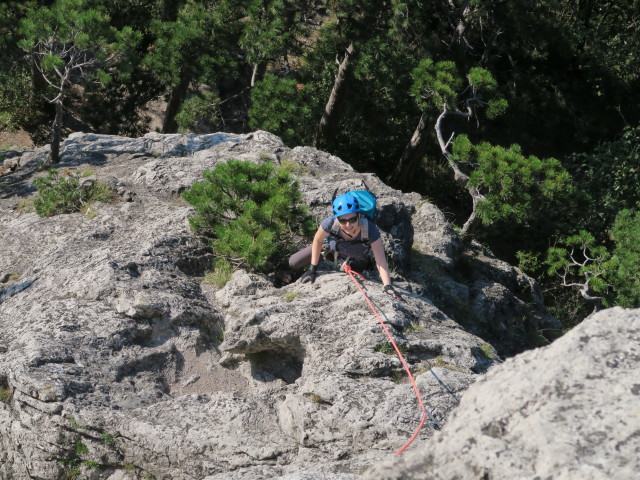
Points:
344	204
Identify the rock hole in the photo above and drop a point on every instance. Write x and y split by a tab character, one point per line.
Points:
271	365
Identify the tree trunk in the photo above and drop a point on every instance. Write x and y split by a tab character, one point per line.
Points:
56	133
179	93
461	18
459	176
332	110
254	75
413	153
473	220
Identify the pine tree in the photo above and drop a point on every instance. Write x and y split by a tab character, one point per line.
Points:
253	211
271	31
71	42
624	267
198	47
281	105
604	275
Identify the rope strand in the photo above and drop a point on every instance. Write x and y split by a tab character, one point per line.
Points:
425	413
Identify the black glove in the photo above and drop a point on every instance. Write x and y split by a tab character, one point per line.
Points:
389	290
310	275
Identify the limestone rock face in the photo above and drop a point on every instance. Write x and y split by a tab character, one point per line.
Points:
117	361
567	411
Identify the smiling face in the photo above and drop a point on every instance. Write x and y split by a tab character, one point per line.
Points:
349	223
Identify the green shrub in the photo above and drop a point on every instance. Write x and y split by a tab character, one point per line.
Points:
290	296
5	395
487	351
197	112
603	275
387	348
109	439
63	194
252	211
624	268
221	273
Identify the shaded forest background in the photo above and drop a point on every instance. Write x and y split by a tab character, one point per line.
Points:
519	119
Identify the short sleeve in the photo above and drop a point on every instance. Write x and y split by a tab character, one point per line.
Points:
374	232
327	223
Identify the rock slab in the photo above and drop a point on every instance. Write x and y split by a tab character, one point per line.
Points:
117	359
567	411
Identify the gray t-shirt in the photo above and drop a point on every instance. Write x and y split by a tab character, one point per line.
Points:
374	233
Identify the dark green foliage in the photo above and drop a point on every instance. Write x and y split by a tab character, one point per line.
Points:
252	210
580	262
71	42
63	194
435	84
199	113
379	115
119	107
197	47
609	179
624	267
515	188
193	45
614	276
566	68
19	105
280	105
270	29
439	86
568	71
67	34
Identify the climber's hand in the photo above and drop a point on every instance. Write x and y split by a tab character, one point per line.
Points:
389	290
310	275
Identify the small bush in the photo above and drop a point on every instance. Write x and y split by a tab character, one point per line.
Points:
200	114
63	194
5	395
291	296
109	439
221	274
487	351
387	348
253	212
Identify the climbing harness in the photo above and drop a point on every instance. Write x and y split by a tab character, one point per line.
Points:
335	248
433	423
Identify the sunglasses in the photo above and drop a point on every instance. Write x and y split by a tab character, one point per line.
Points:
344	221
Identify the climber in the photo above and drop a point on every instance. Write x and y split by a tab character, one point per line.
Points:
347	236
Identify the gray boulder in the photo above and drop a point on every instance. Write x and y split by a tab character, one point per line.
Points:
566	411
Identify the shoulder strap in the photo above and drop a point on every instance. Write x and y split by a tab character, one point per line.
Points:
364	232
335	228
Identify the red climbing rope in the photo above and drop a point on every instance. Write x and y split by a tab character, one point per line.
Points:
352	273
